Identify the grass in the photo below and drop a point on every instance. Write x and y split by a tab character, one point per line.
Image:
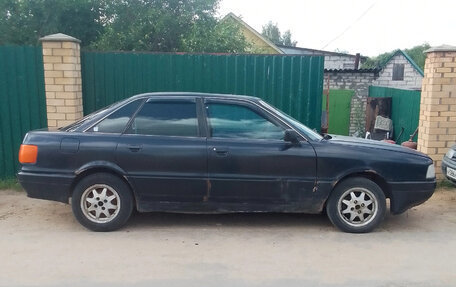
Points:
445	184
10	183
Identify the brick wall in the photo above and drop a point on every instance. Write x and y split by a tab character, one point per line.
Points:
62	77
359	81
437	125
340	62
412	79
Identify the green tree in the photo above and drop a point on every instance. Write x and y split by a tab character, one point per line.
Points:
25	21
416	53
168	26
141	25
272	32
225	37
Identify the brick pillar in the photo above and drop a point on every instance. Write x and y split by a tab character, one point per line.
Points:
437	125
62	77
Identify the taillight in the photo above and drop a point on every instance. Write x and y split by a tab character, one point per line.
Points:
28	153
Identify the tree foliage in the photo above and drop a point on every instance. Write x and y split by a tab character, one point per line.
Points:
272	32
25	21
416	53
146	25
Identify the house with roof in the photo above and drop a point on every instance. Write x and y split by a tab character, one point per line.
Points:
401	72
262	45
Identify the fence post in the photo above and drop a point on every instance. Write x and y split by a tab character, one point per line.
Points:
437	125
62	78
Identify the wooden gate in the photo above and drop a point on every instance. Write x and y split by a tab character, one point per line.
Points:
339	111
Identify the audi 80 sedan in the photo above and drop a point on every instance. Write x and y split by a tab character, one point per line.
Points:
209	153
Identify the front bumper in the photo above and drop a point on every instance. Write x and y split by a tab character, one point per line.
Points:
405	195
55	187
446	162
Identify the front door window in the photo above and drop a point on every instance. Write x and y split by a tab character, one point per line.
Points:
236	121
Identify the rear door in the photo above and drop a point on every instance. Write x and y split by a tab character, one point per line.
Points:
248	160
163	151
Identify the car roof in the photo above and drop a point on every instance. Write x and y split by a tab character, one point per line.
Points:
194	94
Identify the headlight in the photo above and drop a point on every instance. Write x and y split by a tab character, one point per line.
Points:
430	172
450	153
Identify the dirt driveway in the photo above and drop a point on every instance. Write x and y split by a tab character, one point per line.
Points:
41	244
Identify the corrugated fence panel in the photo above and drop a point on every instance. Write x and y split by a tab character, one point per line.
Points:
292	83
22	101
405	110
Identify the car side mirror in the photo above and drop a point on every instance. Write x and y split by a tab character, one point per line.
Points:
291	136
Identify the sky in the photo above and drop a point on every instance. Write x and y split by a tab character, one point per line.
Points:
369	27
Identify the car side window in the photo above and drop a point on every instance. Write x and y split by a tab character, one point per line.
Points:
117	121
166	118
237	121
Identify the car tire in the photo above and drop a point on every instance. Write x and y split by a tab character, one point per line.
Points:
356	205
102	202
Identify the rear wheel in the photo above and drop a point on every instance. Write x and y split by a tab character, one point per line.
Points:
356	205
102	202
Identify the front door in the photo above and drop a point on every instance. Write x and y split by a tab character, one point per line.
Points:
248	160
163	152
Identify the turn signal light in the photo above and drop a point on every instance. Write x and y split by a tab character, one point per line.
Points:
28	153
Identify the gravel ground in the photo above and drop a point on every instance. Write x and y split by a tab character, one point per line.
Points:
41	244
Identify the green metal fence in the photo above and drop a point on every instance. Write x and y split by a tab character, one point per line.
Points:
22	101
339	111
405	110
291	83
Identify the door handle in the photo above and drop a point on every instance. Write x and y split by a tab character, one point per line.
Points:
134	148
220	151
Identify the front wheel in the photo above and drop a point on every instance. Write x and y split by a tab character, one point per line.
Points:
102	202
356	205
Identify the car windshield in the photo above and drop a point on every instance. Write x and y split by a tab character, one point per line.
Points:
298	125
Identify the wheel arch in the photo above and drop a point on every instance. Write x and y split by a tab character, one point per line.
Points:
102	167
369	174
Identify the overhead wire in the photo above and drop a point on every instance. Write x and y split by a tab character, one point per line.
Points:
350	26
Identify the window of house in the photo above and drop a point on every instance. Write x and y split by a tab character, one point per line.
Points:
398	72
117	121
166	118
236	121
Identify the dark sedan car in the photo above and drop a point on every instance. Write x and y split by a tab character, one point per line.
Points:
449	164
206	153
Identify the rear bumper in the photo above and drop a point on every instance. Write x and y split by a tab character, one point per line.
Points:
405	195
46	186
446	162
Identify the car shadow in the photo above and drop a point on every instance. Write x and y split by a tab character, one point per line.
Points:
235	220
405	222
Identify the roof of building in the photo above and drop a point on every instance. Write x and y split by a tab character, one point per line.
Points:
374	70
406	56
323	52
238	19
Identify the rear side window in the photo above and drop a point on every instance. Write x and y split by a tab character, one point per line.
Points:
166	118
117	121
